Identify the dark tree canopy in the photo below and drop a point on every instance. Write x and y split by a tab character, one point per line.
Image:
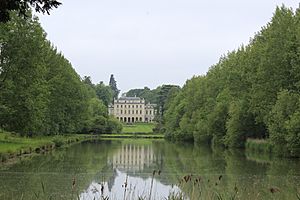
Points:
113	86
21	6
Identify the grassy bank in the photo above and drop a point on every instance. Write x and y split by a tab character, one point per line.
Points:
138	128
259	146
133	135
12	145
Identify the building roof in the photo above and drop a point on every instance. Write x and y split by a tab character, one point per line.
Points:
129	98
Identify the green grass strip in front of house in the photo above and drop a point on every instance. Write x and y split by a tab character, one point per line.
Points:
133	135
138	128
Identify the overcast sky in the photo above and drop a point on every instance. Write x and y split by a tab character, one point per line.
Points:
153	42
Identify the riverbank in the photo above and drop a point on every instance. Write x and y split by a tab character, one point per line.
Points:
13	146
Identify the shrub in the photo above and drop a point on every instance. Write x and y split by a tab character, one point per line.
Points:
58	142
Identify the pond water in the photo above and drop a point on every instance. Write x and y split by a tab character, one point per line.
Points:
149	169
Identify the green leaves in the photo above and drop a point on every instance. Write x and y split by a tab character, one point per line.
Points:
252	92
41	93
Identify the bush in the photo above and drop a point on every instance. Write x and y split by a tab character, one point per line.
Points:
113	125
58	142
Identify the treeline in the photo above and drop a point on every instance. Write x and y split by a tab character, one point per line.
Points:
253	92
158	96
40	92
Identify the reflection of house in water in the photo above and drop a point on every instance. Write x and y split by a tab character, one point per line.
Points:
131	157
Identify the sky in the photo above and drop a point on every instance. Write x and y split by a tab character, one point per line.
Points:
153	42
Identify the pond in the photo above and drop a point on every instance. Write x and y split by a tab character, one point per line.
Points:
149	169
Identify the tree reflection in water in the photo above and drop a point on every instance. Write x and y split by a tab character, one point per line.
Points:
111	162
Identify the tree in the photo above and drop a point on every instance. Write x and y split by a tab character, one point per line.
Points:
252	92
280	121
104	93
24	91
113	86
163	96
22	7
41	93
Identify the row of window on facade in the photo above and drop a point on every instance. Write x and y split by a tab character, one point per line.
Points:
132	119
129	106
136	112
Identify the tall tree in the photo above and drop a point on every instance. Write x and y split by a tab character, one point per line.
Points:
40	92
113	86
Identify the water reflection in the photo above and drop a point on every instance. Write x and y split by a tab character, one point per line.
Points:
137	187
133	158
135	168
82	170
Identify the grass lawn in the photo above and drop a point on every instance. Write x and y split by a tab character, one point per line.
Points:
133	135
12	145
138	128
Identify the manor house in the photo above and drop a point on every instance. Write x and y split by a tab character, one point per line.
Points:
132	109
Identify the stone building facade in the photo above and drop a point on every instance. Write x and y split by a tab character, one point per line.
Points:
132	109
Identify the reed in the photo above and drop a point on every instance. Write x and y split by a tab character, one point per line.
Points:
259	146
192	187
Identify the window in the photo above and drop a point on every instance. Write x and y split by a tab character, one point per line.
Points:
124	106
121	111
140	106
124	111
128	106
136	112
121	106
140	111
150	112
117	106
128	111
136	106
146	112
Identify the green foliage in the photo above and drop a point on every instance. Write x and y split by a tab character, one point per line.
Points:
159	96
113	86
98	120
40	92
293	134
259	146
21	7
252	92
284	108
113	125
143	93
104	93
217	123
58	142
240	125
